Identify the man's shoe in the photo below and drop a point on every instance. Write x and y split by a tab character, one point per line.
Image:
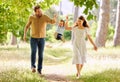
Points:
33	70
39	72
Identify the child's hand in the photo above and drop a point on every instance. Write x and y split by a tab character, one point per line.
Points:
55	15
66	17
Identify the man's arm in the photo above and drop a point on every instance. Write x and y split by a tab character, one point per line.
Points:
26	29
51	21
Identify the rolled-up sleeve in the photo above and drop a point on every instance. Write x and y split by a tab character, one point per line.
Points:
49	20
29	22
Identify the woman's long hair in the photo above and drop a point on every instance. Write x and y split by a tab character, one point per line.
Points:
84	22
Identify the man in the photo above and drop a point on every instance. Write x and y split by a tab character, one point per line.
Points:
38	23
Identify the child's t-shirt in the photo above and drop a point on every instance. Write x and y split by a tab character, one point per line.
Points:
60	30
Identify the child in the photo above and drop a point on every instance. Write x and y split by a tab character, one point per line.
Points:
79	32
60	30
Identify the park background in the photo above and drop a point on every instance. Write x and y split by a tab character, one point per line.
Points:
103	17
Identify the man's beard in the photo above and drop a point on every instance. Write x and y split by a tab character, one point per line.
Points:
39	15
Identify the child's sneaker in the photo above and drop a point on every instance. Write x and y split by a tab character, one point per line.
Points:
62	38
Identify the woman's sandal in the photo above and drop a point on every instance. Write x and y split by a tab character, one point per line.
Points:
78	76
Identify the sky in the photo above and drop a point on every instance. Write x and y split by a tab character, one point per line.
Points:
68	7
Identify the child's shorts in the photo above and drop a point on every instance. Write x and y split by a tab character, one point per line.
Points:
59	36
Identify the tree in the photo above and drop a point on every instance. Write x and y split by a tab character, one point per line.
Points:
113	9
76	12
117	28
14	15
89	5
104	17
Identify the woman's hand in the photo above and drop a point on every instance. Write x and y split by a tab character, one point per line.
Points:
95	48
66	18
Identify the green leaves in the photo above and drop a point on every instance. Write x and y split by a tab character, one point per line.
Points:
45	4
11	11
14	15
89	5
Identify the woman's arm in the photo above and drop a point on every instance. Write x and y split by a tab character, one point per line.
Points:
66	24
90	39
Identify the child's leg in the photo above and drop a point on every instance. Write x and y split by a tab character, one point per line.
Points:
55	34
62	38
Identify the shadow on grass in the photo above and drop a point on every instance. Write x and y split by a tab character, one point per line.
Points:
111	75
55	78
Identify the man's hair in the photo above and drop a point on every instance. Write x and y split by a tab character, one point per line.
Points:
36	7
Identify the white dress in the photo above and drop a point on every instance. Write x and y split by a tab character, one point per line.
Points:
79	45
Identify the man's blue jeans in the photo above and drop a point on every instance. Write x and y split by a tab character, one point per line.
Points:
37	43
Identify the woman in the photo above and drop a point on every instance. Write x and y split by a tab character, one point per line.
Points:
79	32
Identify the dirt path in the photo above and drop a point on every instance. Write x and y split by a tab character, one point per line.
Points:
60	73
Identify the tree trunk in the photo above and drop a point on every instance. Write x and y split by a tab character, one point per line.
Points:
76	13
13	40
117	28
104	17
60	11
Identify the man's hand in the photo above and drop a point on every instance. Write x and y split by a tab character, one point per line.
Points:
55	16
24	38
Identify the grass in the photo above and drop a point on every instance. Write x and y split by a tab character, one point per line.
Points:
103	66
51	55
16	75
111	75
57	55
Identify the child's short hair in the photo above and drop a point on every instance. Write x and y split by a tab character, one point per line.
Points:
63	22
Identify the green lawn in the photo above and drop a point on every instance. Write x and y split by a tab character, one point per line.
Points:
111	75
103	66
16	75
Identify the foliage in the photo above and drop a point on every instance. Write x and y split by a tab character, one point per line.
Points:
50	34
93	29
67	35
95	72
110	32
45	4
13	17
16	75
89	5
50	12
110	75
3	22
15	13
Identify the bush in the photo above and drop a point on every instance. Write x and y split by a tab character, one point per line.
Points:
93	29
67	35
110	33
50	34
